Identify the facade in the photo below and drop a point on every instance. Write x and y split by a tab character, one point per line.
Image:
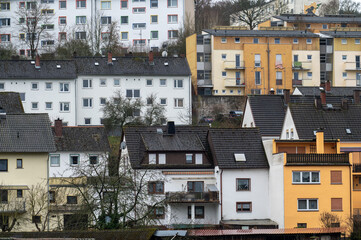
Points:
76	90
141	25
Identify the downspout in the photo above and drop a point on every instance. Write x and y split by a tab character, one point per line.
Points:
268	65
351	178
221	195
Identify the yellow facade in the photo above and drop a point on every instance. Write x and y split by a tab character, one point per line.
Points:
191	54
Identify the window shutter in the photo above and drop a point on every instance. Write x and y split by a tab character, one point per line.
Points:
336	177
336	204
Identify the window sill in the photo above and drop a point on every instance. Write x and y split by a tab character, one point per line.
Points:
306	183
336	210
305	210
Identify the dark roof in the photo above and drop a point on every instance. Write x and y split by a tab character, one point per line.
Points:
82	139
26	133
308	118
261	33
134	66
307	18
343	34
10	102
137	149
23	69
335	91
176	142
227	142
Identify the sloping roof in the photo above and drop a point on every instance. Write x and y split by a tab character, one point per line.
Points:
133	66
137	149
335	91
308	118
343	34
26	133
177	142
23	69
82	139
260	33
227	142
307	18
10	102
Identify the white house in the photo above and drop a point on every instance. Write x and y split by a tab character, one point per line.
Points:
76	90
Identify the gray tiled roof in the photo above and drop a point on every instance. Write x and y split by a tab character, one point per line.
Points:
308	118
82	139
335	91
343	34
177	142
261	33
134	66
10	102
23	69
26	133
226	142
306	18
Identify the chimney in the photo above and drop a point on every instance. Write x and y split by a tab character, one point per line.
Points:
272	91
344	104
58	128
110	58
151	57
356	96
320	146
171	127
37	61
286	95
328	86
318	104
323	97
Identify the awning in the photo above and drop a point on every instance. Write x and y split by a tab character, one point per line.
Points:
14	187
250	222
212	188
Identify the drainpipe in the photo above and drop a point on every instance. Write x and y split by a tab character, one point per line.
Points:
221	195
351	178
268	65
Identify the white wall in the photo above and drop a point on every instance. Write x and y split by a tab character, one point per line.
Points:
288	125
248	120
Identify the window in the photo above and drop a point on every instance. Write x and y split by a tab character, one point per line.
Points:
195	186
178	102
2	86
163	101
178	83
154	19
357	41
172	3
47	43
172	34
255	40
257	77
309	57
336	204
87	83
4	6
52	196
344	74
336	177
309	74
87	121
244	206
139	10
64	107
243	184
19	193
54	160
71	200
154	34
22	5
103	101
4	196
80	19
124	35
106	20
124	20
105	5
224	74
62	20
257	60
30	5
133	93
223	40
305	177
163	82
301	225
172	18
62	4
307	204
47	1
93	159
74	160
343	41
47	11
64	87
87	102
4	22
3	165
4	37
138	25
309	41
22	52
224	56
237	40
48	105
80	3
80	35
153	3
158	213
277	40
19	163
22	37
36	219
124	4
116	82
62	36
344	57
156	187
22	97
223	91
103	82
199	212
34	86
34	105
189	158
278	78
149	82
324	26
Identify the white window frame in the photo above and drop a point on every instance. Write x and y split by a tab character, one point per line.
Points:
56	164
116	79
176	83
309	41
71	160
102	80
109	3
51	104
89	102
223	40
37	105
79	20
357	41
343	57
37	86
176	102
295	42
343	41
151	82
90	83
61	86
62	106
100	101
307	205
51	86
90	121
310	176
160	82
160	101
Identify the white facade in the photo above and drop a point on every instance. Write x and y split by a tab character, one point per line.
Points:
144	24
248	120
289	130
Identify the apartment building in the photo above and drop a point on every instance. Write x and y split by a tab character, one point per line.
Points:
240	62
142	25
76	90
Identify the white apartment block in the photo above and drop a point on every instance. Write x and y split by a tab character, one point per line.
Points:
75	91
142	25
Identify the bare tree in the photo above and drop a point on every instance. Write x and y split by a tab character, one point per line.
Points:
250	12
12	210
329	220
349	7
34	18
7	52
329	8
154	112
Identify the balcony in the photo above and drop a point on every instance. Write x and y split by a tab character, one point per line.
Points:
204	83
352	66
234	82
301	66
233	65
296	82
66	208
318	159
13	206
192	197
356	168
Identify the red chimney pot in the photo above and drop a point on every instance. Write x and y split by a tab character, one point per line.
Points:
58	127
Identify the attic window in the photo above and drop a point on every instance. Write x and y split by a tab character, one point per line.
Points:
96	64
240	157
159	131
32	62
165	64
348	131
58	66
114	59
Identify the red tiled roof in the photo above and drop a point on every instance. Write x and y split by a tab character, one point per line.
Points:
187	173
215	232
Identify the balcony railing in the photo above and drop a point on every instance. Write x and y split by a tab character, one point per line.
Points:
204	82
352	66
66	207
186	197
297	82
318	159
13	206
234	82
233	65
301	66
356	168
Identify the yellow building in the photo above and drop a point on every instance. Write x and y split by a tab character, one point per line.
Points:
317	181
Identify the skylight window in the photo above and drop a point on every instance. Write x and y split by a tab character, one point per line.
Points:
348	131
240	157
329	106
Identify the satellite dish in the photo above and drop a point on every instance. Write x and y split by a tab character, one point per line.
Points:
164	54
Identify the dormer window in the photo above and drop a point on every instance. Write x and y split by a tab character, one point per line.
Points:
189	158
